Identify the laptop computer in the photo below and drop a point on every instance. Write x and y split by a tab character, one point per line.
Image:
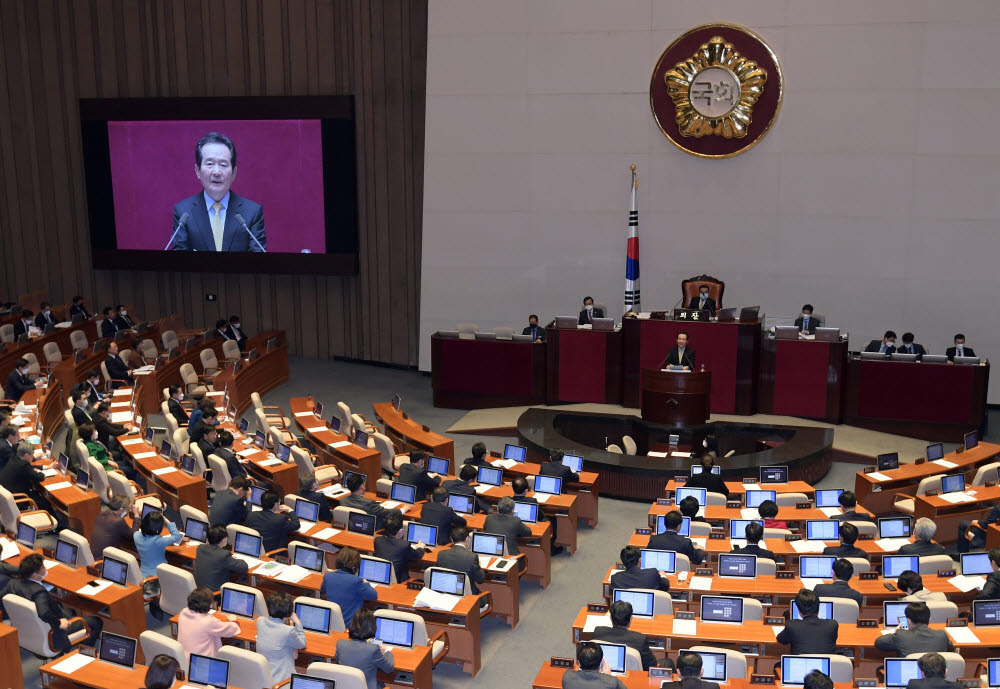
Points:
82	478
899	671
315	618
361	439
786	332
726	315
403	492
641	601
684	530
187	464
934	452
713	666
63	463
825	610
699	494
795	668
724	609
117	650
893	527
934	358
515	452
738	528
244	424
196	530
307	510
66	553
970	439
816	566
607	324
827	334
755	497
894	565
874	356
697	469
490	476
464	504
282	451
444	581
748	313
774	474
574	462
966	360
393	632
822	530
256	493
421	533
954	483
207	671
487	543
887	461
248	544
737	566
993	672
986	613
375	571
239	603
26	535
527	512
660	560
614	654
361	523
309	558
115	571
893	613
309	682
976	563
149	509
902	356
551	485
829	497
438	465
260	439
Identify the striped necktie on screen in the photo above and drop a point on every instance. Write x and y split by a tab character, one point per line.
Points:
217	225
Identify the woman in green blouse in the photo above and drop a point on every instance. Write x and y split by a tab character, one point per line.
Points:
95	448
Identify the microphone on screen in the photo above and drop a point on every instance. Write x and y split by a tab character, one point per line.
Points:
180	223
242	223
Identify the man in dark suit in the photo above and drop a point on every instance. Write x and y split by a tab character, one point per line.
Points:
689	668
174	406
214	564
681	354
10	436
634	577
236	333
711	482
817	680
31	572
589	312
887	345
209	421
45	317
619	633
810	634
923	533
91	385
479	456
356	484
520	488
934	667
116	367
843	570
848	537
593	672
212	223
123	320
910	347
439	513
671	540
307	491
78	309
415	474
21	326
19	476
463	486
992	587
224	451
703	302
230	506
18	382
461	559
509	525
110	528
394	547
919	638
806	323
754	533
536	331
208	443
274	521
79	411
221	330
108	326
959	349
689	507
849	503
555	467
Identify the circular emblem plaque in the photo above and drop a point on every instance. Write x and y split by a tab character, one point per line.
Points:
716	90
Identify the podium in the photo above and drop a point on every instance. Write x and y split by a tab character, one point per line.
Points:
676	398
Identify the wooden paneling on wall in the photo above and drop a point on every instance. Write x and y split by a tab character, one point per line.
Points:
54	52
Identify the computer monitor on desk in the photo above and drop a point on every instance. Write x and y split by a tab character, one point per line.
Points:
887	461
749	313
726	315
641	601
827	334
566	322
786	332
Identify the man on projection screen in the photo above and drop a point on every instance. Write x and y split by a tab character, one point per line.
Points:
217	219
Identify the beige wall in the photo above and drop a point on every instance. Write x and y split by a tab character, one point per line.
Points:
876	195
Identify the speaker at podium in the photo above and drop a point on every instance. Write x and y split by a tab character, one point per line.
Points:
676	398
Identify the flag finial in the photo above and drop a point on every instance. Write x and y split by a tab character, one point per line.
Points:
632	167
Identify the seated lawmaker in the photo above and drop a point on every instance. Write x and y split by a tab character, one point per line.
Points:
356	484
713	483
109	328
703	302
437	512
463	486
923	531
590	312
887	345
689	669
393	546
619	633
214	563
681	354
754	533
992	588
122	319
45	316
806	323
478	457
690	507
849	504
671	540
768	511
843	570
308	486
912	584
116	367
911	347
933	667
415	473
273	521
18	382
23	326
536	331
555	467
959	349
593	672
810	634
848	537
634	576
919	638
77	308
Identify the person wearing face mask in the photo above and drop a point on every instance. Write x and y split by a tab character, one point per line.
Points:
31	573
94	395
116	367
123	321
78	309
959	349
806	323
236	333
79	411
911	347
703	302
95	448
536	331
45	316
22	327
886	346
109	328
18	382
174	406
590	312
19	476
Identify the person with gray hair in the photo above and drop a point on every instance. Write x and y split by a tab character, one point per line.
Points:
509	525
923	531
933	666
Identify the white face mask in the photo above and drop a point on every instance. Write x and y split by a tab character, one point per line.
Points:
123	312
806	315
590	307
46	312
704	296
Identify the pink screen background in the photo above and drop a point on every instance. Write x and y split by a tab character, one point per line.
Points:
279	164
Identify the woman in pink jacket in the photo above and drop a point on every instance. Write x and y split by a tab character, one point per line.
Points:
198	629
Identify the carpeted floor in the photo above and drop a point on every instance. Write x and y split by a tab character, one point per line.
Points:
510	658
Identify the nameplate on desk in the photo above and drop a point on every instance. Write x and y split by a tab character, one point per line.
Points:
774	621
703	572
761	679
860	682
919	460
597	607
414	585
784	574
870	470
556	661
793	537
680	479
959	450
867	576
425	429
664	501
803	505
866	537
717	535
956	622
640	531
679	595
661	673
968	682
946	573
683	615
749	480
733	504
867	623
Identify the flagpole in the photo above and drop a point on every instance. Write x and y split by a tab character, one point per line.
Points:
632	251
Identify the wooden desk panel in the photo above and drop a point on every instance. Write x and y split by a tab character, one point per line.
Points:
802	378
60	336
587	491
551	678
10	658
737	489
175	487
948	515
349	457
261	375
583	366
516	373
98	675
409	434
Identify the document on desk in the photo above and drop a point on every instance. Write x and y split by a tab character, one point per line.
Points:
749	513
293	574
164	470
594	621
808	546
326	533
122	392
335	491
700	541
121	417
132	441
270	569
878	476
654	453
269	462
957	497
99	585
340	443
700	583
685	627
247	452
317	429
48	473
72	664
504	463
752	486
891	545
251	561
8	549
58	486
119	405
945	463
300	414
962	635
143	455
831	511
541	497
777	630
966	583
428	598
482	488
810	583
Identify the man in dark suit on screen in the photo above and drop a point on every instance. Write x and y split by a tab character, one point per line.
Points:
703	302
681	355
590	312
211	224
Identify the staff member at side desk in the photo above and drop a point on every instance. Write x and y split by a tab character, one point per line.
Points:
236	333
590	312
78	309
703	302
45	316
910	347
887	345
174	406
806	323
536	331
959	349
23	326
109	328
18	382
681	354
